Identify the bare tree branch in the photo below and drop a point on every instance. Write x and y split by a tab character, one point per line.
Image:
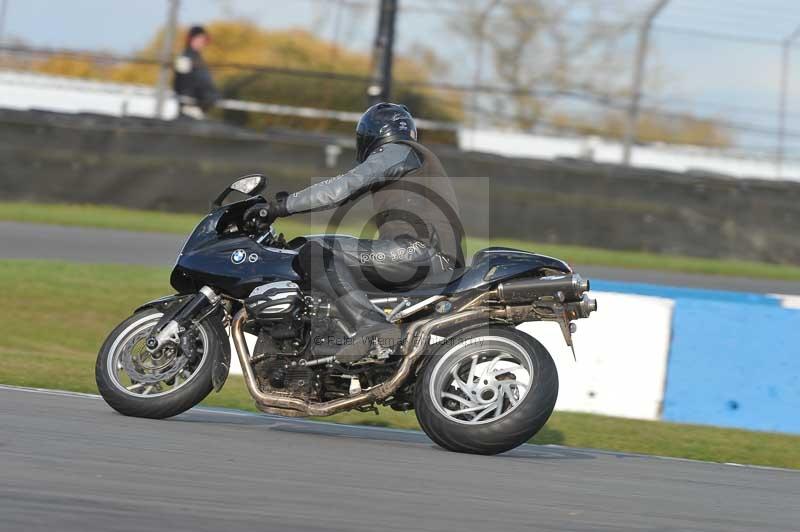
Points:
538	44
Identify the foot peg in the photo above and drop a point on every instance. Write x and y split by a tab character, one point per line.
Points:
355	385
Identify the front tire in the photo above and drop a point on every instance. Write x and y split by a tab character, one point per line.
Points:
168	397
486	391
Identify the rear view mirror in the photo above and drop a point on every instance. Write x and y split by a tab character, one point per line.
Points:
249	184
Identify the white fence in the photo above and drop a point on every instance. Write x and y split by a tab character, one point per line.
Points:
664	157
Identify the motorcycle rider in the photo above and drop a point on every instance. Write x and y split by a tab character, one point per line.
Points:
416	215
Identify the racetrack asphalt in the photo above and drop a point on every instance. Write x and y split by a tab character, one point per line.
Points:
39	241
69	463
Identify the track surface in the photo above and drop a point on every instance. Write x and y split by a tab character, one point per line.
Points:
35	241
69	463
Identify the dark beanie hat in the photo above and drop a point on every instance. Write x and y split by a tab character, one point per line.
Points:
194	31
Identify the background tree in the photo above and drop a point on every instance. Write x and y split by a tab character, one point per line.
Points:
537	46
565	65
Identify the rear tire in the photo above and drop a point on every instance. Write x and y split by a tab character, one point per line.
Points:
181	397
494	380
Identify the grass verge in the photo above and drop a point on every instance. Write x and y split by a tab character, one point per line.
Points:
56	314
151	221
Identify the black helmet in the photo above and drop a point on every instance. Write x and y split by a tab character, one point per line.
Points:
382	123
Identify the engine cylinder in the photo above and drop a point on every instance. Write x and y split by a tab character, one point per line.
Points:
275	303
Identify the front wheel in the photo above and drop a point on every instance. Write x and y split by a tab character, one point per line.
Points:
486	391
136	382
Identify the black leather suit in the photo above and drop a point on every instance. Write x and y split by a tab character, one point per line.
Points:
417	220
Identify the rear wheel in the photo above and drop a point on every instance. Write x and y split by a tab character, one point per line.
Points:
136	382
486	391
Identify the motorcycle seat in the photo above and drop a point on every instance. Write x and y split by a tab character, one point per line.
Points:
441	282
375	281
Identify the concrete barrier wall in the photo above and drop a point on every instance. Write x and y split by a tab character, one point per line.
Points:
620	365
178	166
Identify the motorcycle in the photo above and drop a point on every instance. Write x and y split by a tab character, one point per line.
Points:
476	383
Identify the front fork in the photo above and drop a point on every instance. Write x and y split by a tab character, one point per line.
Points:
177	319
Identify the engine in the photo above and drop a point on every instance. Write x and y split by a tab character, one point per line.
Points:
278	309
286	358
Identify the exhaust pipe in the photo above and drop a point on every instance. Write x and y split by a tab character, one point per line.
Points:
582	308
563	287
416	342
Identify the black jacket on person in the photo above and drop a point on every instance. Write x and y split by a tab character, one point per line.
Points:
193	80
416	214
413	198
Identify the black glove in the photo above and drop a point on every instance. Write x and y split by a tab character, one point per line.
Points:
260	216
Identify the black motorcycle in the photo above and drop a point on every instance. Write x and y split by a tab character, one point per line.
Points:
476	383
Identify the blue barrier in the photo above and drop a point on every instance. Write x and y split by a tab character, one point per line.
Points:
734	358
732	366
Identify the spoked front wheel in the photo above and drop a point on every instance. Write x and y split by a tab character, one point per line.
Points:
161	384
486	391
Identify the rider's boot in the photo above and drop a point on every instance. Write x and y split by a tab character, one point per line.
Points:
373	332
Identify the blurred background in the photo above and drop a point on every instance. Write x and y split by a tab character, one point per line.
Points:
655	144
702	74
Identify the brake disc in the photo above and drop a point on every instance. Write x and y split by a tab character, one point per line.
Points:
136	369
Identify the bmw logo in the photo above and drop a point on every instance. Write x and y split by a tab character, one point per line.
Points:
238	256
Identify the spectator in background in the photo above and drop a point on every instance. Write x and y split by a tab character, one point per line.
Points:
193	83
